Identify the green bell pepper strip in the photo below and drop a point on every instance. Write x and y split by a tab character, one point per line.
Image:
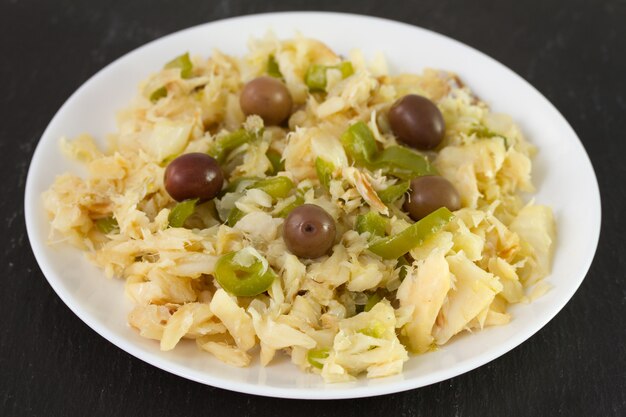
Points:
324	170
226	144
371	222
272	67
402	163
359	143
107	224
242	281
372	300
397	245
181	212
276	187
158	94
275	158
314	356
315	77
394	192
184	63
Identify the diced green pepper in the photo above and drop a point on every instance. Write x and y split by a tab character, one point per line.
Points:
324	171
372	300
284	212
375	329
403	163
158	94
276	159
314	356
226	144
181	212
240	280
397	245
399	161
485	132
346	69
272	67
394	192
315	77
184	63
276	187
371	222
107	224
359	143
234	216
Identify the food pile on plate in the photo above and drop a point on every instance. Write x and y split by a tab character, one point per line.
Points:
294	201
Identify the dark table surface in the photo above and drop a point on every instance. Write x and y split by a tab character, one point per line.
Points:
52	364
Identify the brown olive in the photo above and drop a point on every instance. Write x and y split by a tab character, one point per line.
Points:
268	98
309	231
193	175
429	193
417	121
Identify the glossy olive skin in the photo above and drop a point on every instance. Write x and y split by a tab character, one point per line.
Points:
417	122
429	193
267	97
309	231
193	175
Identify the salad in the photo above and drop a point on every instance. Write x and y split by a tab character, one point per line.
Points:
296	201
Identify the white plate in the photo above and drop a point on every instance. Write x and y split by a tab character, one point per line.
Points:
562	172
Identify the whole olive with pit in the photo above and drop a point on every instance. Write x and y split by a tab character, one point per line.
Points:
268	98
417	122
193	175
309	231
428	193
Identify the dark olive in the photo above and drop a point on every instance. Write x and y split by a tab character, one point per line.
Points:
268	98
429	193
417	121
309	231
193	175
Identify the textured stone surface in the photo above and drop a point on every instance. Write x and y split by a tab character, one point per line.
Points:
51	364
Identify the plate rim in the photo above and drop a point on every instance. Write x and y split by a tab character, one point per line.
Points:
296	392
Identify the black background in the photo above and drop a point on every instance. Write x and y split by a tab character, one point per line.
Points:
51	364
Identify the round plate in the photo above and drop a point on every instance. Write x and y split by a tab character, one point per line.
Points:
562	173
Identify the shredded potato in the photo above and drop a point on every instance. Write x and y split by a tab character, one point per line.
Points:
348	312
